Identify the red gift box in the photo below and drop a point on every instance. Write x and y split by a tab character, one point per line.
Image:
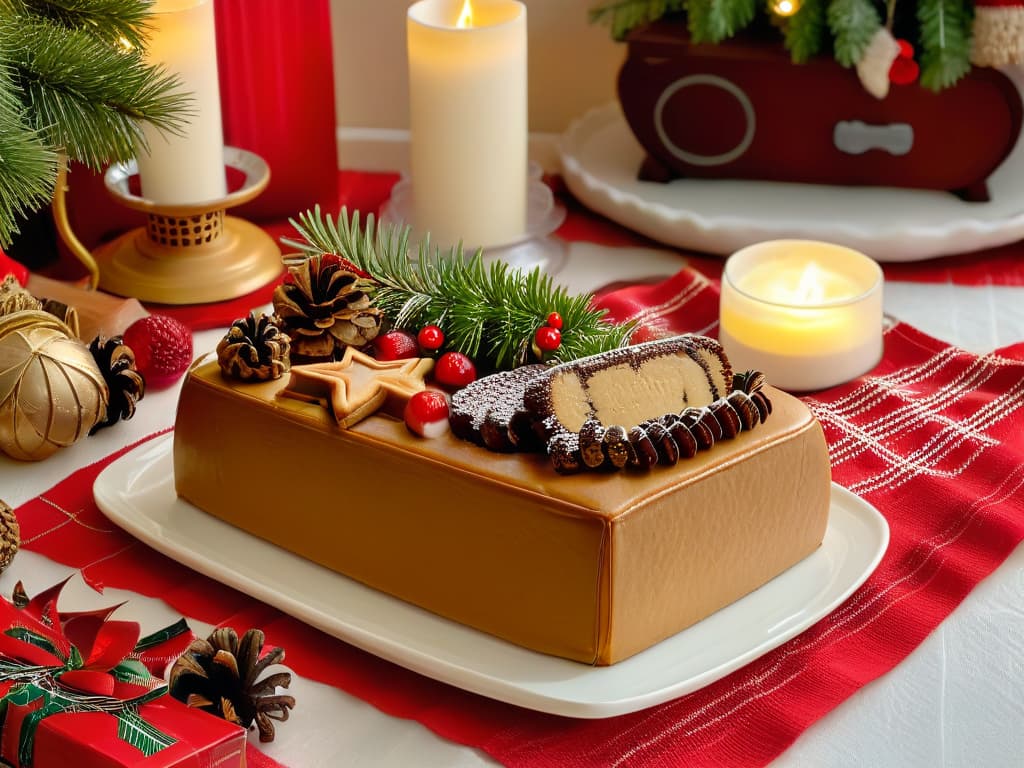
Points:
78	689
90	739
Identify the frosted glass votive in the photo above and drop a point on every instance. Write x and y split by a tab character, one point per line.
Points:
807	314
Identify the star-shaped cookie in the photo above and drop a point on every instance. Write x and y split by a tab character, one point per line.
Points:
357	385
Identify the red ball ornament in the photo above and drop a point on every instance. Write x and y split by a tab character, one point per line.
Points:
162	347
430	337
904	69
454	370
555	320
547	339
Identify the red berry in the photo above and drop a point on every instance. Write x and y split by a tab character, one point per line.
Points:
555	320
430	337
454	370
548	339
162	347
903	72
426	413
906	49
395	345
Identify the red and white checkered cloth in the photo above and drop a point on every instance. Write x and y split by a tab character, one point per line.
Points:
933	437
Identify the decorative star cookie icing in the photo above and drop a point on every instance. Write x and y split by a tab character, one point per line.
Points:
357	385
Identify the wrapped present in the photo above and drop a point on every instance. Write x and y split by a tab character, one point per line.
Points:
79	689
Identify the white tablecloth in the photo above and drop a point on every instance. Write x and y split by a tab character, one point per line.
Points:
957	701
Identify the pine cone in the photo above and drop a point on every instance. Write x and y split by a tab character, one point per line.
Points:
218	675
14	298
254	349
10	535
324	308
127	386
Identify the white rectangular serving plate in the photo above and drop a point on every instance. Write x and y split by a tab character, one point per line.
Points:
137	493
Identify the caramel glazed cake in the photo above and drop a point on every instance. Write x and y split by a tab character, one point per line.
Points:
724	484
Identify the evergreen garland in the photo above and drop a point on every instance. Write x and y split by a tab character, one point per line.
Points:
804	34
945	46
941	28
28	169
624	15
487	311
853	23
73	80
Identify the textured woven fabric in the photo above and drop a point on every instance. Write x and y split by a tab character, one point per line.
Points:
933	437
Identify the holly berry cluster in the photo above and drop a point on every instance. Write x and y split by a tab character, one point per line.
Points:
548	337
427	412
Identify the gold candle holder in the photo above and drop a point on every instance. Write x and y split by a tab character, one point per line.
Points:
190	253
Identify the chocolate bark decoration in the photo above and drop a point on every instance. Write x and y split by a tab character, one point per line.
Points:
668	438
490	411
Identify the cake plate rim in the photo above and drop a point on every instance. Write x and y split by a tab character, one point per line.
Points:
600	157
136	492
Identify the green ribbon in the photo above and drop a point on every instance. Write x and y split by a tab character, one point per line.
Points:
40	682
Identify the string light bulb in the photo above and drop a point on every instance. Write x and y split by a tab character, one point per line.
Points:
785	8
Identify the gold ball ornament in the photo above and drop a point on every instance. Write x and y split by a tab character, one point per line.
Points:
51	390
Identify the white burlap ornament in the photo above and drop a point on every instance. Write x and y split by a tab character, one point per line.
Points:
997	36
873	67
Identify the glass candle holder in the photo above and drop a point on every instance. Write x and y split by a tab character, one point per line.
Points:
807	314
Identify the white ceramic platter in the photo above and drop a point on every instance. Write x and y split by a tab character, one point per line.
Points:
137	493
600	158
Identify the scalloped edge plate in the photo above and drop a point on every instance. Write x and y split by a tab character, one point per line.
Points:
137	493
600	158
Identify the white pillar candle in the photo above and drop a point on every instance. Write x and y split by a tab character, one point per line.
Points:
188	168
806	314
468	119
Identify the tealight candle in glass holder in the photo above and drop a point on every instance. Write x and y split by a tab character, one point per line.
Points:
807	314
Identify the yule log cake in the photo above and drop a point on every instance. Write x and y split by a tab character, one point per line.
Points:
594	566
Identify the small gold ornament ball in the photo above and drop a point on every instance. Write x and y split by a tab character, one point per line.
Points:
51	390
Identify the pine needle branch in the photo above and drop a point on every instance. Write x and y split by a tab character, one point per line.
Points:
28	168
489	311
94	109
805	31
625	15
944	42
117	22
853	23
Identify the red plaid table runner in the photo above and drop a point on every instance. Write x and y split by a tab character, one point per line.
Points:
933	437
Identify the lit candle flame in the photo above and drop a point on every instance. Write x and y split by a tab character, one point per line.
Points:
465	17
810	289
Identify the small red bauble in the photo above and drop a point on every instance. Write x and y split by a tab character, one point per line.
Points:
555	320
904	69
454	370
426	413
162	347
547	339
430	337
395	345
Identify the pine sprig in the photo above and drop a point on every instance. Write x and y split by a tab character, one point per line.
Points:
488	311
805	31
853	24
713	21
28	169
118	22
944	42
625	15
93	110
